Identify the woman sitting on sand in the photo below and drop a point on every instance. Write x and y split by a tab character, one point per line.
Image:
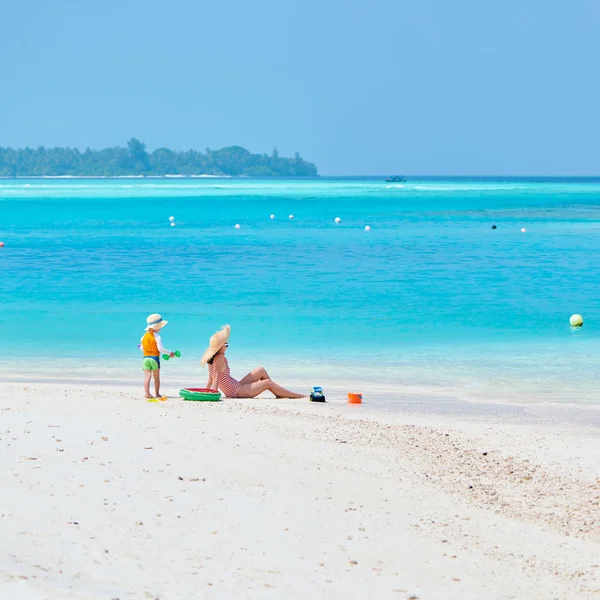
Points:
253	384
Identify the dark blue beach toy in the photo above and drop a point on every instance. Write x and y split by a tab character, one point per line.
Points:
316	394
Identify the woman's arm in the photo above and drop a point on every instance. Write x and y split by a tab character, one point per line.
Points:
218	367
210	385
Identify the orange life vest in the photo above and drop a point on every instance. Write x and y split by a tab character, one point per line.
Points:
149	345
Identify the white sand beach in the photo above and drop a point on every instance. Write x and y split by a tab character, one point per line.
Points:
106	496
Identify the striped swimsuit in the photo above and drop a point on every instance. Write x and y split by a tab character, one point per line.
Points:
227	383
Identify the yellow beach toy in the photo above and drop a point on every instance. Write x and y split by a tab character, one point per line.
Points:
161	399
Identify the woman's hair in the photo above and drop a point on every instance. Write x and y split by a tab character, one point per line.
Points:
212	358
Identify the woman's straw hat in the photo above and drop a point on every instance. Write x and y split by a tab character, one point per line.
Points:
155	321
216	343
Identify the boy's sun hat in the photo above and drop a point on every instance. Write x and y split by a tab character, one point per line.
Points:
155	321
216	343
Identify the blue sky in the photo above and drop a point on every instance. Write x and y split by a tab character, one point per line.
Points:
378	87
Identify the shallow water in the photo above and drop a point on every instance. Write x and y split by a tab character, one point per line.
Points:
431	298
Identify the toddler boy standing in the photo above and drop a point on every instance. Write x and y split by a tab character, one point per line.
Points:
152	347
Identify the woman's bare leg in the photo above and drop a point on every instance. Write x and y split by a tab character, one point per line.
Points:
251	390
257	374
281	392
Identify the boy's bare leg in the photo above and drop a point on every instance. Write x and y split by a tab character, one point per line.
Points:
156	375
147	378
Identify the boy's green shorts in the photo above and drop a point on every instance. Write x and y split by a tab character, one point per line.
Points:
151	363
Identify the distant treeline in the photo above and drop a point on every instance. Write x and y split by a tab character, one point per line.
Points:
134	160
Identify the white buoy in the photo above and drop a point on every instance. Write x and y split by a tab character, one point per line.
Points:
576	320
172	224
367	228
337	220
523	230
171	218
291	217
237	226
272	217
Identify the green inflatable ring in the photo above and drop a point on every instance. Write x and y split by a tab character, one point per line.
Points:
200	394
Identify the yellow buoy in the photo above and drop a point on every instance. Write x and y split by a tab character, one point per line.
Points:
576	320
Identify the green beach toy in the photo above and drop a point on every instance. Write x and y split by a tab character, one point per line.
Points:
200	394
176	353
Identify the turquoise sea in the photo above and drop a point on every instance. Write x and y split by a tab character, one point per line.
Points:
431	298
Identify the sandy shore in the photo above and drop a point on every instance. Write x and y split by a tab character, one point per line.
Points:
106	496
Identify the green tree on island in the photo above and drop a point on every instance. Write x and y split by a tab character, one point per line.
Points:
135	160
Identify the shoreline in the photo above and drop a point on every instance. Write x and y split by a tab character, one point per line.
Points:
289	499
385	397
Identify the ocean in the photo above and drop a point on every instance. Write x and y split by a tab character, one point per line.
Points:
431	299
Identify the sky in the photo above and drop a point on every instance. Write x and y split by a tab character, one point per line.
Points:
420	87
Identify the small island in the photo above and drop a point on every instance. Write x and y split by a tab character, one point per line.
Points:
134	160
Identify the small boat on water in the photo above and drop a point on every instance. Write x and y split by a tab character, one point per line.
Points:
395	179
